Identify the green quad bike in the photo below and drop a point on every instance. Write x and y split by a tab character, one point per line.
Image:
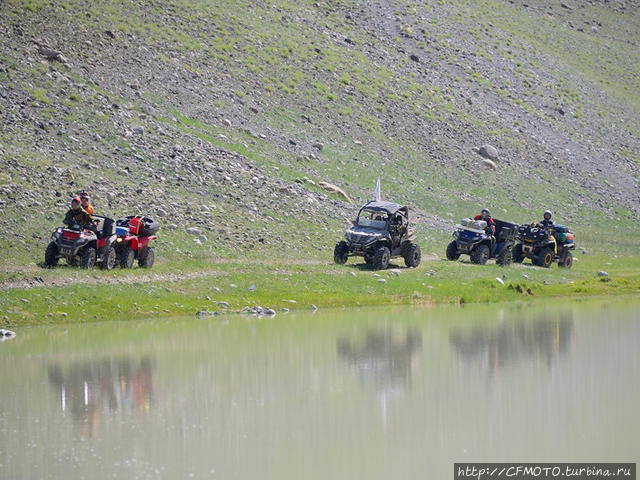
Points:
379	233
545	246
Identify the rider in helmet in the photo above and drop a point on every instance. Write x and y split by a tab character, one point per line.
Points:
547	222
486	216
84	201
76	215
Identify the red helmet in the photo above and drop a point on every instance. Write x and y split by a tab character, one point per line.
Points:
75	199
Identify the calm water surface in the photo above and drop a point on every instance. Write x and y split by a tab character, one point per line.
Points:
345	394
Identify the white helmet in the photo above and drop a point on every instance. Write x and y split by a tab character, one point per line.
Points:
549	212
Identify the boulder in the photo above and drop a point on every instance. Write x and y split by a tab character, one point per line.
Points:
334	189
488	151
488	163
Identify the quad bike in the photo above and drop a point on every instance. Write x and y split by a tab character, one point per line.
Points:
133	236
85	245
471	238
379	233
545	245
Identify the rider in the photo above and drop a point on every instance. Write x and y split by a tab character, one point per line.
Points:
547	222
76	215
486	216
84	201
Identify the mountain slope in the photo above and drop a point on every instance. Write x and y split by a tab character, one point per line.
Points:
226	116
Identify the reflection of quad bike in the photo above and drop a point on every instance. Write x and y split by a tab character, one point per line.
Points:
471	238
134	233
84	245
545	246
379	233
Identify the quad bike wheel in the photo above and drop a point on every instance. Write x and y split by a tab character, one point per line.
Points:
544	258
87	258
452	251
516	254
110	259
480	254
147	260
412	255
341	253
505	257
51	255
566	261
381	258
126	258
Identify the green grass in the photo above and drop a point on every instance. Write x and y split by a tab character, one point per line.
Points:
275	284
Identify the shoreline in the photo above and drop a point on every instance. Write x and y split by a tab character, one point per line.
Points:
230	288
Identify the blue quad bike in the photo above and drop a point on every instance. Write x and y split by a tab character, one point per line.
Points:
470	238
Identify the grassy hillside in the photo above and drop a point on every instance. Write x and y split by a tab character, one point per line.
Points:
225	116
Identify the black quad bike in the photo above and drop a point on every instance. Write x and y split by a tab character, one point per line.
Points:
84	245
545	245
379	233
470	238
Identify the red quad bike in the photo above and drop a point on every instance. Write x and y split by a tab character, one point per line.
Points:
134	233
84	245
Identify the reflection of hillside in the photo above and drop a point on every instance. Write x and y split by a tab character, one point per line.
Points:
89	389
382	363
547	337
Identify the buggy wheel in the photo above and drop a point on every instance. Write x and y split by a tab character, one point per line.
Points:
381	258
412	255
51	255
452	251
109	260
341	253
126	257
148	259
368	258
544	258
567	261
505	257
517	254
480	254
87	258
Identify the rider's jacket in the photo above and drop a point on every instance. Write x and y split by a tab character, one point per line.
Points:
77	216
491	225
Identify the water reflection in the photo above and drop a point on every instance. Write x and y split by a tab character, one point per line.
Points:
545	336
382	362
89	389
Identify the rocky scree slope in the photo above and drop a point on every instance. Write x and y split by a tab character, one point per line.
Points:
221	119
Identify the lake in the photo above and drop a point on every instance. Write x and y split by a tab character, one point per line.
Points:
340	394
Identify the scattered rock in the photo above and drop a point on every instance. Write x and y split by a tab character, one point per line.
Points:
414	57
499	280
382	280
138	130
353	274
489	151
193	230
488	163
50	54
602	273
334	189
313	307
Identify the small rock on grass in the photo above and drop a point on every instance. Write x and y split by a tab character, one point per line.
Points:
382	280
313	307
499	280
602	273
